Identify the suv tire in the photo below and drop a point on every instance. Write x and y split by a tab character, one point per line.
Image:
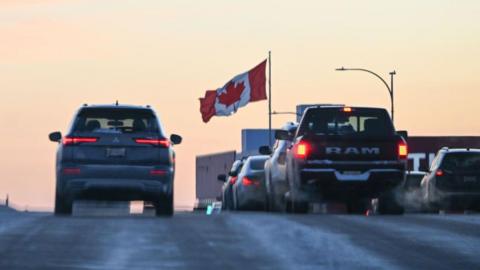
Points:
164	207
62	206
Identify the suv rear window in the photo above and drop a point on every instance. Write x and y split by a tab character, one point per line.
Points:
236	167
335	121
461	161
257	164
113	120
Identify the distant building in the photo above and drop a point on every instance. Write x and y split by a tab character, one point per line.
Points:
207	168
252	139
422	149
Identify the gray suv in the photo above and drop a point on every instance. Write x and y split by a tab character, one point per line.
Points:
115	152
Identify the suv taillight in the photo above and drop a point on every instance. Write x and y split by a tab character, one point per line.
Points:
402	149
77	140
157	142
249	182
71	171
301	149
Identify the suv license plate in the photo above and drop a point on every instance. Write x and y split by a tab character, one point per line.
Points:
115	152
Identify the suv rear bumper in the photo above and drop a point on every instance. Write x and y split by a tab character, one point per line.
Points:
452	199
115	189
116	182
251	197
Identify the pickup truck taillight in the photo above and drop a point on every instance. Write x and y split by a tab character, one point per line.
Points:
157	142
301	149
78	140
402	149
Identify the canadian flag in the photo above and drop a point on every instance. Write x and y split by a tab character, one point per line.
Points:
238	92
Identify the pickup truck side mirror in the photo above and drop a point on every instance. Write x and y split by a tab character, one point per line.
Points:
55	136
283	135
265	150
222	177
176	139
403	133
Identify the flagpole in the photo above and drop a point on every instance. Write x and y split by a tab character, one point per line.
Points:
270	98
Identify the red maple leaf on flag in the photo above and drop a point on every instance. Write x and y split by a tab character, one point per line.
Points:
232	93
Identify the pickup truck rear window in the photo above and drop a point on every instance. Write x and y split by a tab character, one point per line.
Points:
357	122
112	120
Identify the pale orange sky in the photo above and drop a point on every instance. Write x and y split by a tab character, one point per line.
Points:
56	55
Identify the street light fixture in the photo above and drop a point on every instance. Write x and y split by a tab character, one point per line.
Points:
389	87
276	113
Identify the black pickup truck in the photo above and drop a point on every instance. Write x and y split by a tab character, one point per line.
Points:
345	154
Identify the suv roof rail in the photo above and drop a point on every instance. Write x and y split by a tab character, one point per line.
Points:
330	105
445	148
85	104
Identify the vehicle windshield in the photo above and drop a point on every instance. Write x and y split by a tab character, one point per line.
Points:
461	161
112	120
336	121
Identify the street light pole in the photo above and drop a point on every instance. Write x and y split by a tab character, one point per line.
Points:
389	87
391	91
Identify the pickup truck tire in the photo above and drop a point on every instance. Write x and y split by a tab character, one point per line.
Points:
296	207
388	205
356	206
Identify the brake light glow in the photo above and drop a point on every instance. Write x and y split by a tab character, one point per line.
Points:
402	150
347	109
157	172
233	180
156	142
302	149
70	171
77	140
249	182
439	173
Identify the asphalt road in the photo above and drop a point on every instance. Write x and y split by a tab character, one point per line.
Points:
239	241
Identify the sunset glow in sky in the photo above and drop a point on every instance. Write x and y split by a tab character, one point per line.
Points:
58	54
